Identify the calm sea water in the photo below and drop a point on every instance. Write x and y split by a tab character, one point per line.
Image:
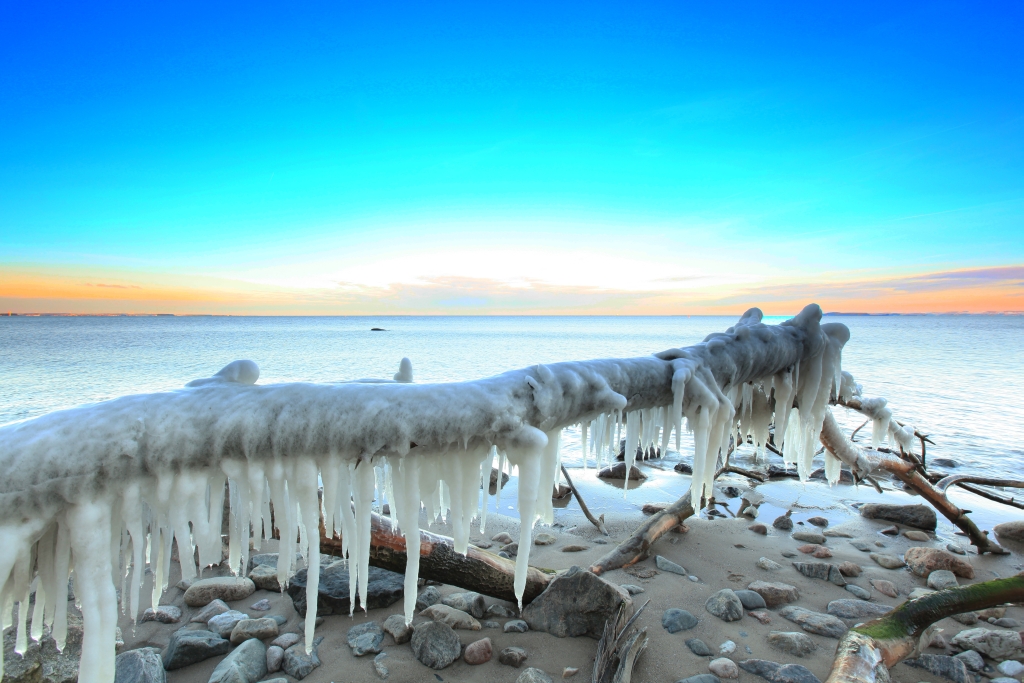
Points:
958	378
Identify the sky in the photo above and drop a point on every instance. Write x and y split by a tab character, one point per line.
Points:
484	158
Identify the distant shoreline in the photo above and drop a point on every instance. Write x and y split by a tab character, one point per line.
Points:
476	315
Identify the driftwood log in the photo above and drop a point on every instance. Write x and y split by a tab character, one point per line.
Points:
477	570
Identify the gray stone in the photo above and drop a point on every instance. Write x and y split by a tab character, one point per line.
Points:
775	594
924	561
224	624
675	620
750	599
430	595
966	618
794	673
857	609
576	603
920	516
814	622
210	611
667	565
261	605
955	549
532	675
725	605
455	618
698	647
544	539
948	667
512	656
282	620
618	471
861	593
275	657
511	548
813	570
783	522
165	614
1010	668
247	664
399	630
366	638
297	663
226	588
286	640
632	589
760	667
435	644
139	666
809	537
861	546
471	603
770	565
502	538
998	645
972	659
723	667
792	643
264	577
260	629
941	579
1006	622
380	667
501	612
701	678
384	589
887	561
271	559
490	624
1013	531
189	647
516	626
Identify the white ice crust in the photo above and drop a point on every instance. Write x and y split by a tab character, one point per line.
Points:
104	489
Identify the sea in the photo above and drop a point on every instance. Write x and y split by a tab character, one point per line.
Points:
957	378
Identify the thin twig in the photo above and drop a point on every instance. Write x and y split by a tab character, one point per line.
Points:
853	437
583	506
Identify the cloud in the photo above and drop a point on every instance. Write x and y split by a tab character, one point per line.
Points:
100	284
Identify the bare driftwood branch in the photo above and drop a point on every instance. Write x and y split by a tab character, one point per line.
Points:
599	523
946	482
619	647
882	643
638	546
477	570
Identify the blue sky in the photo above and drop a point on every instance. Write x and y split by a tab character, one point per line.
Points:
521	158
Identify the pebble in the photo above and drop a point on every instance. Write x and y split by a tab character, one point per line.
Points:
695	579
248	663
890	530
769	565
818	551
399	630
861	546
189	647
700	678
502	612
532	675
366	638
286	640
775	594
435	644
1010	668
428	596
213	609
727	648
135	666
223	624
260	629
1004	679
861	593
297	663
915	535
478	652
600	541
1006	622
574	548
483	545
675	620
758	529
569	672
943	666
512	656
851	569
542	539
887	561
667	565
818	521
226	588
809	537
469	602
857	609
924	561
502	538
452	617
750	599
792	642
972	659
725	605
724	667
787	553
380	667
516	626
762	616
994	644
261	605
941	579
698	647
955	549
490	624
264	577
783	522
814	622
885	587
275	656
632	589
165	614
511	548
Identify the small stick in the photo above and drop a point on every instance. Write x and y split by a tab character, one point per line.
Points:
583	506
853	437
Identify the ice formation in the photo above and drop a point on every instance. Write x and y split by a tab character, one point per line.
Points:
105	489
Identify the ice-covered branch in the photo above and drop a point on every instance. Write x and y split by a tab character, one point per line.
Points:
109	487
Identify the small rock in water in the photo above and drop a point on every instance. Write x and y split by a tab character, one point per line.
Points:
532	675
632	589
165	614
762	616
818	521
775	594
667	565
857	609
675	620
427	597
942	579
435	644
769	565
725	605
478	652
885	587
727	648
261	605
792	642
724	667
543	539
887	561
380	667
915	535
750	599
809	537
698	647
366	638
972	659
399	630
784	522
516	626
758	529
512	656
861	593
890	531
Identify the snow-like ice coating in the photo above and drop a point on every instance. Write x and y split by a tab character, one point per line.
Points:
107	488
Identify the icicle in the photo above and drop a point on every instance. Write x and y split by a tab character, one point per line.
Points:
485	486
501	477
782	386
583	442
89	524
548	473
792	437
833	466
407	501
306	490
529	462
363	495
132	513
633	434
